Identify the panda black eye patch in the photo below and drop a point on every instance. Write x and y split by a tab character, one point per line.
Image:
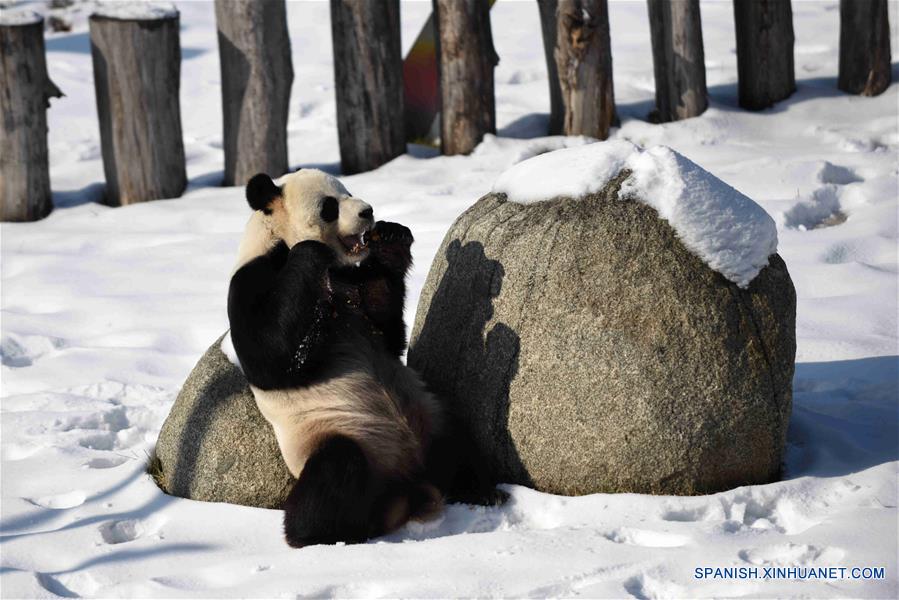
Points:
330	210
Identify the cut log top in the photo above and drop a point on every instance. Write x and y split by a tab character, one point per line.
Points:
135	11
13	18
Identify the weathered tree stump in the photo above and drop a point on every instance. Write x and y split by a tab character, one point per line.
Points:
368	74
584	59
549	28
25	90
137	71
254	51
465	59
678	59
864	47
764	52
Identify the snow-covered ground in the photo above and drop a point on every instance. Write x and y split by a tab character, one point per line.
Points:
105	311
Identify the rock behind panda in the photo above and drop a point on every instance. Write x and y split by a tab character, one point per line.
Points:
316	311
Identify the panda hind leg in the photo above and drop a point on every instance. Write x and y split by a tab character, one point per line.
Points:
455	468
338	498
332	499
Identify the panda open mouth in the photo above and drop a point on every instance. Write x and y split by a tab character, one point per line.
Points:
355	244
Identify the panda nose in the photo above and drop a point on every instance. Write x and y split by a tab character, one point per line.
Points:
367	214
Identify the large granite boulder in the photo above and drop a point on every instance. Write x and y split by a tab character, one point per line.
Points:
589	351
215	445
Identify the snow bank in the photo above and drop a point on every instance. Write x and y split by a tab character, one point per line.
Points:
19	17
727	230
136	10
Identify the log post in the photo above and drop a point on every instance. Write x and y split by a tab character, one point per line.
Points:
465	59
254	53
764	52
678	59
584	59
137	70
25	91
368	79
549	27
864	47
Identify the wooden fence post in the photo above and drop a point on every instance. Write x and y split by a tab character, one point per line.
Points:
254	53
764	52
25	91
465	60
584	60
549	27
864	47
678	59
137	69
368	75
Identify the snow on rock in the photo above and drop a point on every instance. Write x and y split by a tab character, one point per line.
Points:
728	231
573	172
19	17
139	11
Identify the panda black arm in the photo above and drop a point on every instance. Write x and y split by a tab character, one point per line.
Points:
383	288
277	305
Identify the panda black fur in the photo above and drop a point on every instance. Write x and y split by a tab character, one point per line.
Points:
316	312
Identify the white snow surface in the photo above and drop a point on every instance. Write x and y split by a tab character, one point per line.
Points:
19	17
728	231
106	310
138	10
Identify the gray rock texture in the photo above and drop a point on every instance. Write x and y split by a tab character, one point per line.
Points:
589	351
215	445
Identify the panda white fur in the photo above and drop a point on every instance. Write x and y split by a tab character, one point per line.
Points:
316	312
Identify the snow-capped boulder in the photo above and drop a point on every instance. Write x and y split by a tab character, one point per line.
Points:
215	445
611	319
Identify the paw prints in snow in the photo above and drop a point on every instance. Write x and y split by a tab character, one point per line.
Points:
644	587
128	530
17	351
646	538
789	554
60	501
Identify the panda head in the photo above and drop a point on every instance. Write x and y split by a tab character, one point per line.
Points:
312	205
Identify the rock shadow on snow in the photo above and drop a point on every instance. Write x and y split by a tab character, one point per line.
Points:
839	408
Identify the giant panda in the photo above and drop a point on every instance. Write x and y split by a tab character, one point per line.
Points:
315	305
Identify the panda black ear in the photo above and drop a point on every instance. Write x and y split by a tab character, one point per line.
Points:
261	191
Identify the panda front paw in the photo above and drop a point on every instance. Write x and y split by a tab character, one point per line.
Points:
314	253
391	233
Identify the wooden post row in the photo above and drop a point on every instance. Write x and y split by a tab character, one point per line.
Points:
137	69
466	59
257	72
864	47
678	59
764	52
368	74
549	28
25	90
584	61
